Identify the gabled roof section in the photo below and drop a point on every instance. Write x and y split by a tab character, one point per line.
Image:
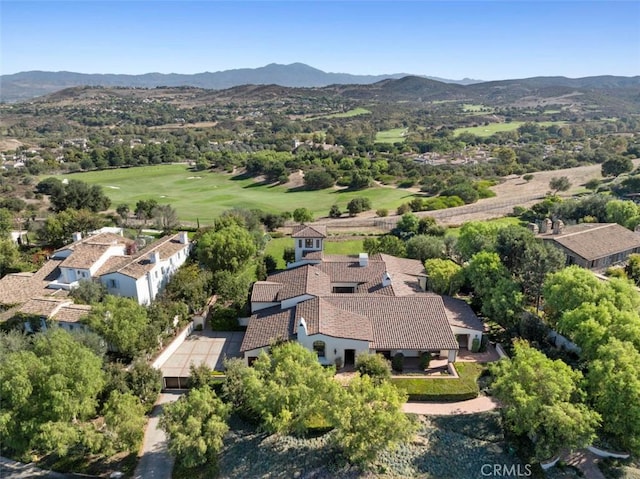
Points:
101	239
595	240
460	314
268	325
408	322
305	231
265	291
305	279
322	317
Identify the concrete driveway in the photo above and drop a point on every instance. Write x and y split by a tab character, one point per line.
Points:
155	461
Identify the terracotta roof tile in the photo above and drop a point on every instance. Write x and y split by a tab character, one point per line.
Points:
266	326
265	291
18	288
307	231
595	240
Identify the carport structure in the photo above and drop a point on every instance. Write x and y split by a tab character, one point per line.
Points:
208	347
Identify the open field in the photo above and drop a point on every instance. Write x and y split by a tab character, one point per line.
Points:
449	447
346	114
203	195
492	128
394	135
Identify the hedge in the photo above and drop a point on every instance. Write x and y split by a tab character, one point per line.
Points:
443	389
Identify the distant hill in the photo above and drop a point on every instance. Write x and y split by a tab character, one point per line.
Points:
27	85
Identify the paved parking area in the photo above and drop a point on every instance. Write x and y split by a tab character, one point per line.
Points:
209	347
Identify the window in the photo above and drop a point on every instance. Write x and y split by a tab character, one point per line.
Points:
299	243
343	289
319	347
308	243
112	283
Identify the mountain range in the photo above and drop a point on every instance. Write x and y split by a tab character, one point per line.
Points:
26	85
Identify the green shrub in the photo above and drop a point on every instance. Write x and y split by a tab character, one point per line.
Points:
397	363
382	212
376	366
425	359
224	319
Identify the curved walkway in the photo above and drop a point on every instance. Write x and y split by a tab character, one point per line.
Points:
479	404
586	462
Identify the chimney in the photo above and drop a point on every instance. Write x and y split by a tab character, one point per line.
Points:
558	227
184	238
154	257
386	279
545	226
364	260
302	329
533	228
77	236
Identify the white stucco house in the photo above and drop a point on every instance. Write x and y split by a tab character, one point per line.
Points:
106	257
339	306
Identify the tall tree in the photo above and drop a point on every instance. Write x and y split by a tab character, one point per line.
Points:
559	183
543	400
614	388
195	425
370	420
226	249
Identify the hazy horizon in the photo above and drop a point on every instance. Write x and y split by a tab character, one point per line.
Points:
483	40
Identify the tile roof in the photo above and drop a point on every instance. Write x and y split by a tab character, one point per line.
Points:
266	326
265	291
306	231
322	317
595	240
72	313
18	288
306	279
100	239
44	307
409	322
84	255
459	313
139	264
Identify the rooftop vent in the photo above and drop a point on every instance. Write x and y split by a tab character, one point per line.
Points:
386	279
364	259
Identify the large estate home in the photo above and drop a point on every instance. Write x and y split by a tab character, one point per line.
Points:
339	306
594	246
106	257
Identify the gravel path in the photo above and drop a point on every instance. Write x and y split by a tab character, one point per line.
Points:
479	404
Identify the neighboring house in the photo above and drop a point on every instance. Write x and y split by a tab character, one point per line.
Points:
145	273
106	257
339	306
38	311
594	246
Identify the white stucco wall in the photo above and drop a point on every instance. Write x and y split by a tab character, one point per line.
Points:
472	333
291	302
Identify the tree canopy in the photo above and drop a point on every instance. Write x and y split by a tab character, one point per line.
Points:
543	400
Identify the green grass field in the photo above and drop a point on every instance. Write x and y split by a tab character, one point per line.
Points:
443	389
488	130
346	114
204	195
276	247
395	135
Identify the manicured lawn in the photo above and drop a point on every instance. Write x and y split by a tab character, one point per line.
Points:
395	135
445	389
488	130
203	195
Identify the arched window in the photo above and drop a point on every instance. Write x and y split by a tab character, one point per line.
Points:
319	347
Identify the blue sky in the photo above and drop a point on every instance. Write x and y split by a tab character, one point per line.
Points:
477	39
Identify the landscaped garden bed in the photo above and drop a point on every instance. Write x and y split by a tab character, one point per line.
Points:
443	389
